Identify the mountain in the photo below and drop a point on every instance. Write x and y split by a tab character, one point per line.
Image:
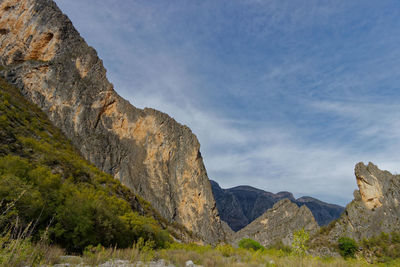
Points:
374	210
44	56
278	224
323	212
238	206
44	180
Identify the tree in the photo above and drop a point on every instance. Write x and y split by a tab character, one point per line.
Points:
249	243
300	239
347	247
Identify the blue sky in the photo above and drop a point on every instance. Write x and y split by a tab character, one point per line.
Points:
283	95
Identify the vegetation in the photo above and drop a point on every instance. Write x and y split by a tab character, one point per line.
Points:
221	256
347	247
46	186
280	246
248	243
300	239
384	248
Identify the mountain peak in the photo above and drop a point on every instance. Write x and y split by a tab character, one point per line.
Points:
375	208
52	66
240	205
278	224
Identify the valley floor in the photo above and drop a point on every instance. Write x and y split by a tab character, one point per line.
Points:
176	255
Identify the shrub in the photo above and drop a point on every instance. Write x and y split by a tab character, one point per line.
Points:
347	247
384	247
300	239
395	237
226	250
248	243
279	246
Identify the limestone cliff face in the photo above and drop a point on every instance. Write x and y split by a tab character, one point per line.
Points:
375	208
278	224
45	57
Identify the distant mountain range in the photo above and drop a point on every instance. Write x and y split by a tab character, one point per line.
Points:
240	205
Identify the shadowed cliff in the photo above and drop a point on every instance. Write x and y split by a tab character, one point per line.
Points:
239	206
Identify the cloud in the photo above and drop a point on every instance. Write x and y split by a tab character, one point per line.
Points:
276	158
283	95
368	120
268	157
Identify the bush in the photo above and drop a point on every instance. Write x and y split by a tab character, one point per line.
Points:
279	246
347	247
81	215
226	250
248	243
300	239
384	247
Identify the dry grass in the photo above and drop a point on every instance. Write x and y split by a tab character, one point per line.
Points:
222	256
16	248
233	257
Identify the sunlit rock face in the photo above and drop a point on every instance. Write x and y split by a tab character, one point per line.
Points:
375	208
278	224
46	58
369	185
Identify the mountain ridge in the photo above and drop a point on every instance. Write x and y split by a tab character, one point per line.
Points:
240	205
278	224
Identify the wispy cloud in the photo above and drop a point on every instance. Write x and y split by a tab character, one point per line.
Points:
283	95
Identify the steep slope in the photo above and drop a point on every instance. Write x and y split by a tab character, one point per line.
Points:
375	208
159	159
278	224
238	206
43	179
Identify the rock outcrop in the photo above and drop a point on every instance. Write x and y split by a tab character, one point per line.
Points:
323	212
375	208
228	232
45	57
238	206
278	224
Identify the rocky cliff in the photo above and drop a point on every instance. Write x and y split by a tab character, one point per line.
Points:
238	206
278	224
375	208
323	212
45	57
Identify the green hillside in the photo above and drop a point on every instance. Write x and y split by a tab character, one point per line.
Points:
46	184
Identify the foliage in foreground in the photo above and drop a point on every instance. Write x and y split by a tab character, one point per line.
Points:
22	252
347	247
177	254
383	248
44	182
221	256
300	239
248	243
